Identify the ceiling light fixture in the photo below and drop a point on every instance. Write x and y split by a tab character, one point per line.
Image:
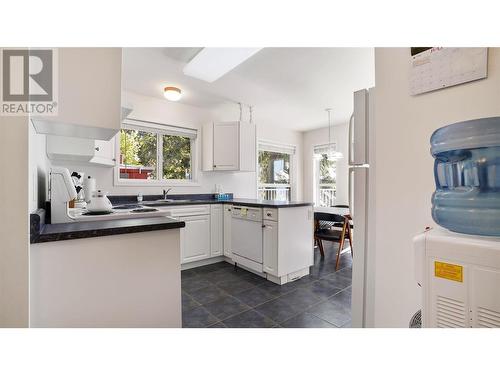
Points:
172	93
212	63
332	146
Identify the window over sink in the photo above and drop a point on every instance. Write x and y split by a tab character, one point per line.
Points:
155	154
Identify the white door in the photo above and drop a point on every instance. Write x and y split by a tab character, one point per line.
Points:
195	238
216	229
226	146
227	230
270	250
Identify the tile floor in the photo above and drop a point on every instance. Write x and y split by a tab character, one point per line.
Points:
218	296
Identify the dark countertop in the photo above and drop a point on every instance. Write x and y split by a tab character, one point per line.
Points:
271	204
77	230
190	199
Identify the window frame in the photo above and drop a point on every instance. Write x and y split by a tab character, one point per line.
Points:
159	129
316	176
289	149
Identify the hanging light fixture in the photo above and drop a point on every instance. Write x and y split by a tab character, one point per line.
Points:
332	152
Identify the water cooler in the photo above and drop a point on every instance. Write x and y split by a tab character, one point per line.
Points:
460	279
458	265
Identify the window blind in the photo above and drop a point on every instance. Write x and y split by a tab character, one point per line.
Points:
325	149
276	147
160	128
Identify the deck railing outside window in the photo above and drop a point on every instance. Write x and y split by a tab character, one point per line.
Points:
275	193
326	195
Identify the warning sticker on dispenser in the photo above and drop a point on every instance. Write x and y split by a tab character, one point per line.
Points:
448	271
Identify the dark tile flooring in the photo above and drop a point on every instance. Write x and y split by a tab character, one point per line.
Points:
218	296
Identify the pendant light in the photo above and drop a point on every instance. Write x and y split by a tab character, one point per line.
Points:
332	152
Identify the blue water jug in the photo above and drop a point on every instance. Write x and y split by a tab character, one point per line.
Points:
467	174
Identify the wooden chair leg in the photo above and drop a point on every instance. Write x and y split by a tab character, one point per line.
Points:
320	245
349	233
341	244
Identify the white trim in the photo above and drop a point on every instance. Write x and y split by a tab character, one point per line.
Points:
284	148
161	130
271	146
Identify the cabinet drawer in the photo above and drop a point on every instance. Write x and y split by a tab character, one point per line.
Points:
271	214
190	211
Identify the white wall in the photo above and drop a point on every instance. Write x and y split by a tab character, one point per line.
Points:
320	137
404	169
14	225
242	184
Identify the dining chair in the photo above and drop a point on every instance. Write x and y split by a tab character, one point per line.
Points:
324	230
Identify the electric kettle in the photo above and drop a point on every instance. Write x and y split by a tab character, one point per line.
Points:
99	202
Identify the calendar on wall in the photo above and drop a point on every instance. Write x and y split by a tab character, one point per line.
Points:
434	68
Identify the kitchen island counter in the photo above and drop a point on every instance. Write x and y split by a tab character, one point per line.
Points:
87	229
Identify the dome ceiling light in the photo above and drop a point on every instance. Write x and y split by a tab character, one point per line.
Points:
172	93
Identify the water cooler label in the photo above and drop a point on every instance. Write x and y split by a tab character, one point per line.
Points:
448	271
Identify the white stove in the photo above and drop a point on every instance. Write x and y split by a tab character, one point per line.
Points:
119	212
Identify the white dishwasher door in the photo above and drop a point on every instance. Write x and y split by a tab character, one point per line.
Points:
246	239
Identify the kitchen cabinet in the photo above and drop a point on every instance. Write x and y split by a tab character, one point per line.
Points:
89	95
81	150
216	230
227	230
195	238
270	247
229	146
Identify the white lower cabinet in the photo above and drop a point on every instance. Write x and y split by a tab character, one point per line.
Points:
195	238
227	230
216	230
270	247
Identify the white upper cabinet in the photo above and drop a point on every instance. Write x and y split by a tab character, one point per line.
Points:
89	99
81	150
229	146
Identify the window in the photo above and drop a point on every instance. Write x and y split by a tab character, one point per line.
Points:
275	167
152	153
325	174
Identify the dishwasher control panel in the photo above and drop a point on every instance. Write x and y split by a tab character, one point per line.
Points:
247	213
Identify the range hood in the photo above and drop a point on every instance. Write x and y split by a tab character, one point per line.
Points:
51	127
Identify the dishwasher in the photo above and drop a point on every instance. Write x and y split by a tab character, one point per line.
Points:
246	237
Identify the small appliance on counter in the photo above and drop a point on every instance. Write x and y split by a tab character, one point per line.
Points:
99	204
61	191
78	181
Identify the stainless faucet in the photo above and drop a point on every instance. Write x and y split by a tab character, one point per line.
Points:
165	193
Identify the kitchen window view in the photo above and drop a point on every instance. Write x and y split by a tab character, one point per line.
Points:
146	154
325	171
274	174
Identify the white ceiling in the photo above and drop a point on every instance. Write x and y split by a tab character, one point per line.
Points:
289	87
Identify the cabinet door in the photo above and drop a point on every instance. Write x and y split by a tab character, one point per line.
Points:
226	146
104	152
270	239
195	238
216	230
227	230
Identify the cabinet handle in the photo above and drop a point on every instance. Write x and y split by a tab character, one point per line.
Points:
215	166
97	148
268	214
